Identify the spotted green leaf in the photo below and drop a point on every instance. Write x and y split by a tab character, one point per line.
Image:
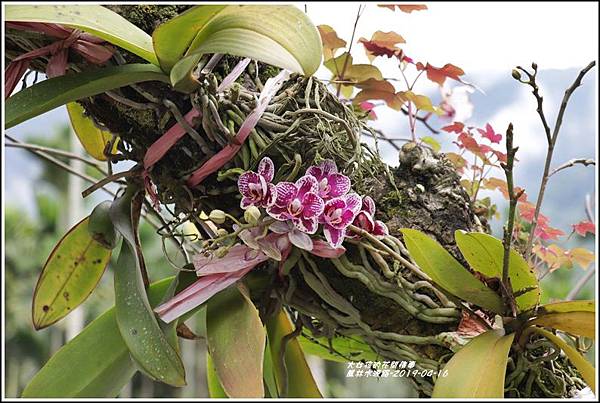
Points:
148	344
447	272
92	18
477	370
485	254
69	276
96	363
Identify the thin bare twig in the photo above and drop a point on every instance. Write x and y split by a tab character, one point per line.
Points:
573	162
550	137
361	8
19	144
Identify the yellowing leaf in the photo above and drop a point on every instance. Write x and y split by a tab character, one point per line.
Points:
433	143
236	343
568	306
447	272
421	101
579	323
331	42
485	254
69	276
378	89
477	370
295	380
582	257
93	139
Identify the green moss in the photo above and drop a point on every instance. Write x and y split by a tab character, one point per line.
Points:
148	17
391	204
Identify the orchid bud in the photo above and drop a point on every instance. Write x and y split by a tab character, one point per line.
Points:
217	216
252	215
221	232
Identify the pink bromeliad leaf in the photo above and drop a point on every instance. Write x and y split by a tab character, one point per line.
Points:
215	274
230	150
93	49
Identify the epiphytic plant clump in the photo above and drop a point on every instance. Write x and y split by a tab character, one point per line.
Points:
293	235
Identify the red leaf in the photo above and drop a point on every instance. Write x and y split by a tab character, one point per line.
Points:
368	107
583	227
439	75
469	143
406	8
378	89
489	134
547	233
456	127
383	44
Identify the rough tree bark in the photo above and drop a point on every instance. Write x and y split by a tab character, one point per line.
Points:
362	294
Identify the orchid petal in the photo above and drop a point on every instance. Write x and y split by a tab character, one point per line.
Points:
316	172
353	202
306	225
266	169
380	229
281	227
329	167
334	236
368	205
286	191
245	180
306	184
338	185
313	205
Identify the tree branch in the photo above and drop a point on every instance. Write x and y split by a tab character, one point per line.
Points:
550	137
571	163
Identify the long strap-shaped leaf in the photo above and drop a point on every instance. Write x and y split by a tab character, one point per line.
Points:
149	346
95	363
236	343
293	376
92	18
279	35
478	369
52	93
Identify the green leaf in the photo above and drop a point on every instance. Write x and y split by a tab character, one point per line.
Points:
69	276
91	18
236	343
269	374
54	92
568	306
92	138
282	36
433	143
149	346
586	370
447	272
293	376
344	348
95	363
579	323
485	254
215	389
477	370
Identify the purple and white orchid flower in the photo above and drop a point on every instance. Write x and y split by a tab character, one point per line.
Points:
295	236
364	219
298	202
331	183
256	188
337	215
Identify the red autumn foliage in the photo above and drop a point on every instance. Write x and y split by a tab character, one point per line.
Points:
584	227
439	74
490	134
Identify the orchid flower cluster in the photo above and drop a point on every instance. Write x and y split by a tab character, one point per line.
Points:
295	211
323	196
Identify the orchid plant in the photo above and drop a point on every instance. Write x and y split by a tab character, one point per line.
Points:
320	204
